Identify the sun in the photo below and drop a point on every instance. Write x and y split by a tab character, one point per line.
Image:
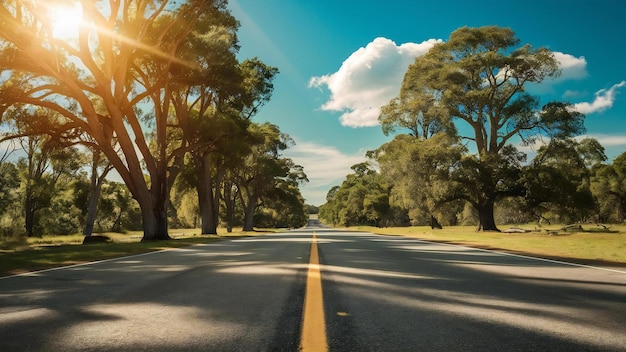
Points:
66	20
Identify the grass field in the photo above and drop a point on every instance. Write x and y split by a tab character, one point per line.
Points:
30	254
592	245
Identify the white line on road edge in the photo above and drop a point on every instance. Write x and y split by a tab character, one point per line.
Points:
526	257
34	273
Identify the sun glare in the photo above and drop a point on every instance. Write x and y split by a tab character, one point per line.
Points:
66	20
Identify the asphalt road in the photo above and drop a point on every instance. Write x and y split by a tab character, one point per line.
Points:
380	293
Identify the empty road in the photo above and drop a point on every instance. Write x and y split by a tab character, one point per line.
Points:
380	293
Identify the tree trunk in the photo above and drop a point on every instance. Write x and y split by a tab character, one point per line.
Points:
208	225
92	208
206	202
96	188
29	217
434	224
248	221
154	223
154	210
485	217
117	224
230	207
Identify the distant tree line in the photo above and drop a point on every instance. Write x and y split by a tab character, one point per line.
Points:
153	91
452	159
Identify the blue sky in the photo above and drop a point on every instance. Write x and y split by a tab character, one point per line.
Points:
340	60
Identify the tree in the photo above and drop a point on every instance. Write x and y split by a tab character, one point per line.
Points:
311	209
122	57
419	171
478	79
283	207
9	181
417	110
100	168
218	127
117	211
264	168
329	211
62	216
9	199
362	199
205	102
609	187
45	163
557	179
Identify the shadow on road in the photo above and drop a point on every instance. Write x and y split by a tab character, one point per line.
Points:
381	293
435	297
226	296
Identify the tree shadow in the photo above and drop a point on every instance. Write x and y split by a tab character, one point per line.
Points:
436	298
228	296
381	293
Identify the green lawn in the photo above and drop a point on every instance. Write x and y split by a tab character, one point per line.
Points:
30	254
593	245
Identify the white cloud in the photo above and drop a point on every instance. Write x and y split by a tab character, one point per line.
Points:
614	144
604	99
571	67
607	140
325	167
368	79
571	94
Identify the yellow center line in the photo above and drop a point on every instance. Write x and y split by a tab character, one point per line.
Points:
313	324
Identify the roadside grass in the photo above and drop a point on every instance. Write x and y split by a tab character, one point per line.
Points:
592	245
31	254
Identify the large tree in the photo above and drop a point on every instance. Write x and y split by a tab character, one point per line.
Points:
213	107
478	79
123	57
203	101
222	133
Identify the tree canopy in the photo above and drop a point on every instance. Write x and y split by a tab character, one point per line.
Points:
473	87
463	109
145	83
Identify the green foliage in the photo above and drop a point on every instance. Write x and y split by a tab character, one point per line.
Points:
265	175
198	100
558	180
608	183
477	79
311	209
9	182
362	199
283	208
186	212
62	217
461	108
513	211
418	171
11	218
